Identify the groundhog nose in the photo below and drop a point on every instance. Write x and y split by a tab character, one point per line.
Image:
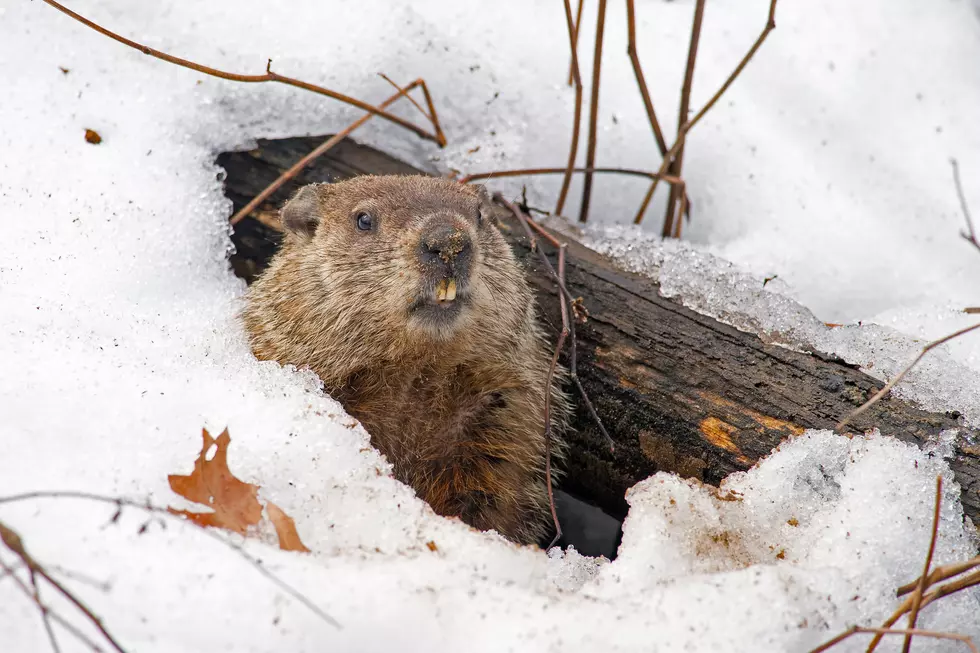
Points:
444	245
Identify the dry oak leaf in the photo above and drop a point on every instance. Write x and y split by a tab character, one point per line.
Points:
234	503
92	136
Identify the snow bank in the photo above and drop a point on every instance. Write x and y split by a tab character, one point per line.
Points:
120	339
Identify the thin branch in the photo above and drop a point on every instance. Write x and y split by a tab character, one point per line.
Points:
45	612
917	596
14	542
853	630
677	159
640	80
522	172
593	112
269	76
970	235
573	31
940	574
901	375
565	302
119	502
577	117
683	131
320	150
43	608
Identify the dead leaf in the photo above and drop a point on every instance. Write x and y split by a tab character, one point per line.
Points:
64	71
432	546
234	503
285	529
92	136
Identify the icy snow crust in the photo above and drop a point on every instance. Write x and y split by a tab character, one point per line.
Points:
120	337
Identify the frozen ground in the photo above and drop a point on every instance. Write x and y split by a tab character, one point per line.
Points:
826	165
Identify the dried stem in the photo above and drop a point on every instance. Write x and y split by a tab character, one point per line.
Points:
683	131
895	631
677	160
522	172
641	82
324	147
577	118
901	375
593	112
970	235
568	330
573	31
14	542
940	574
120	502
269	76
917	596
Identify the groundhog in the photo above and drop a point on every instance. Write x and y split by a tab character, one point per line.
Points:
402	295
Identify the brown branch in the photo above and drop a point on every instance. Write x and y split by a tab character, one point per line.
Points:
324	148
940	574
566	301
683	131
677	159
522	172
853	630
577	117
901	375
970	235
573	31
14	542
917	596
43	608
119	502
640	80
45	612
593	112
269	76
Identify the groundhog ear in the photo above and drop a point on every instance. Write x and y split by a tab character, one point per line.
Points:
301	214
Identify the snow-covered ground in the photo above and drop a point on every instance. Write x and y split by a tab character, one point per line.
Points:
827	164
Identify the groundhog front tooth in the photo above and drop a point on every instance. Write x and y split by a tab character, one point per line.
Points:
441	291
451	290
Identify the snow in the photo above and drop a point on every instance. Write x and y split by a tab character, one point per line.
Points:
121	338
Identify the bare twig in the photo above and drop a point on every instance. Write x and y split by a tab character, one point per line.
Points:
577	118
269	76
970	235
44	608
163	512
940	574
45	612
901	375
573	30
677	161
895	631
566	301
522	172
683	131
13	542
324	147
640	80
917	596
593	112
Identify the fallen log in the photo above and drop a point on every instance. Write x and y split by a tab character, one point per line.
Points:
677	391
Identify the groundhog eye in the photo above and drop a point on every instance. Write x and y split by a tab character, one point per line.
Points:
364	221
479	217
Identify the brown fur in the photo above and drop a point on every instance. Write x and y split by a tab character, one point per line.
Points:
456	404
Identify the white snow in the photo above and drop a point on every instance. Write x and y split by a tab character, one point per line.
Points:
120	338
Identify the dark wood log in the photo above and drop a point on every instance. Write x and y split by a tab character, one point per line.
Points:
678	391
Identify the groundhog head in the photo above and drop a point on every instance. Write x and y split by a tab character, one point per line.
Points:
417	255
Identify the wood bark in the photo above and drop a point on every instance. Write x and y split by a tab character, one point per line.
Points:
678	391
